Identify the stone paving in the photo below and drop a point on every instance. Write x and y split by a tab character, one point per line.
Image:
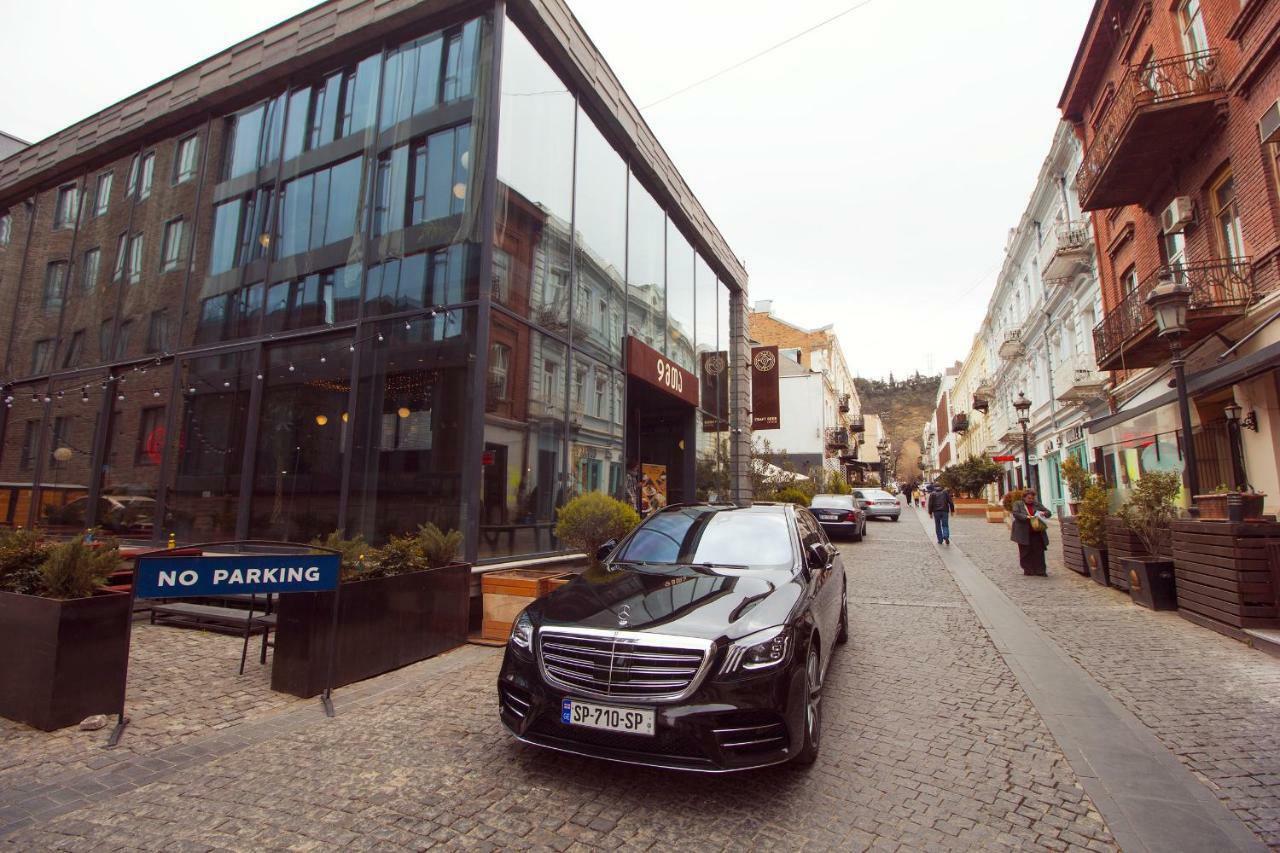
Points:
1214	702
929	744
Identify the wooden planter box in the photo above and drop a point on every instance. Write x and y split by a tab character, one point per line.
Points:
1214	507
1225	580
1151	583
1095	560
971	506
1071	553
383	624
995	516
1122	544
63	660
507	593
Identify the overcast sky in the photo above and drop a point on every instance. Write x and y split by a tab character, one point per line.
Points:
867	173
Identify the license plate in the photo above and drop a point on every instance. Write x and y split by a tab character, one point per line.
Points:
828	516
630	720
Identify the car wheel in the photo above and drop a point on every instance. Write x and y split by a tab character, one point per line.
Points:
812	708
895	518
843	636
856	536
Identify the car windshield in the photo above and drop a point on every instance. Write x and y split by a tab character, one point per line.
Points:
877	495
712	536
839	501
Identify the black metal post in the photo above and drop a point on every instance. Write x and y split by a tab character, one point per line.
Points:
326	699
1237	455
121	719
1026	456
1190	474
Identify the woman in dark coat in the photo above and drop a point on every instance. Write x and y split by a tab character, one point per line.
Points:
1031	543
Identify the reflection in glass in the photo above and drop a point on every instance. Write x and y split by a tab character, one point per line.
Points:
318	208
522	482
422	180
646	273
68	446
319	299
204	489
596	462
535	185
339	106
24	419
601	246
407	452
439	68
442	277
680	299
302	431
135	448
253	138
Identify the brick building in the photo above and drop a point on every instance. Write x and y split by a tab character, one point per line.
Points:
382	264
1176	104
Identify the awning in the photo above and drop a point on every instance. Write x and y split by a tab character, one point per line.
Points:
1267	358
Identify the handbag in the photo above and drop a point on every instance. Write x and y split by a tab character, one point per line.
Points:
1037	524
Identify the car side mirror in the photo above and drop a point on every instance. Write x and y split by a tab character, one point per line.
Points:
818	556
603	552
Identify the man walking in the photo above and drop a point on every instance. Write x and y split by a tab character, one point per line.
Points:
940	507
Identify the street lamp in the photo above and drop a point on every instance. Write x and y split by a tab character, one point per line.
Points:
1023	405
1168	301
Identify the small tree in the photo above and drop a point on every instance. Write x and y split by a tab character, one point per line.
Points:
588	521
1077	476
793	495
1010	498
74	569
971	476
21	555
1151	507
1092	517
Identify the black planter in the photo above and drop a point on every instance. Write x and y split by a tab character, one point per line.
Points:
1096	560
63	660
1151	582
383	624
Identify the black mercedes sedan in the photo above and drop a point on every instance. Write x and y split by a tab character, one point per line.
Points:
699	643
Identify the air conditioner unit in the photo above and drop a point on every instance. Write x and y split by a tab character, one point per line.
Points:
1269	124
1177	216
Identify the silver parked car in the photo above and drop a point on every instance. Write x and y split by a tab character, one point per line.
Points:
877	503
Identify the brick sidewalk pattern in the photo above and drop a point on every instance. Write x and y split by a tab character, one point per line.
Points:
1214	702
929	744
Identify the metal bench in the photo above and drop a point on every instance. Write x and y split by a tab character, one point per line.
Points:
210	616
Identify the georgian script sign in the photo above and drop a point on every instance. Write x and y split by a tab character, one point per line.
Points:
192	577
653	368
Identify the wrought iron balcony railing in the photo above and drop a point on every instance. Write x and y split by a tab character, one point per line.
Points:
1161	83
1218	288
1012	346
960	422
837	437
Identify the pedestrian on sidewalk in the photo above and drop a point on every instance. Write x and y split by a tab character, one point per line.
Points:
908	490
940	507
1031	533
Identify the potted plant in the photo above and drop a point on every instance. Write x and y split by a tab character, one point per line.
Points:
398	604
1092	522
1078	479
995	513
1148	513
967	481
66	640
1215	506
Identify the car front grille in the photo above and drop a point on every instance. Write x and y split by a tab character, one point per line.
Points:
622	665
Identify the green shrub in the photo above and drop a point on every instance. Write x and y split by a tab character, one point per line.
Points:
588	521
1151	506
1092	516
438	547
1077	477
21	554
74	569
427	548
1010	498
971	476
355	553
793	495
836	484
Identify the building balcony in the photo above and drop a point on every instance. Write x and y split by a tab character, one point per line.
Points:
837	438
1220	292
1012	437
1012	347
1077	381
980	404
844	404
1158	112
857	424
1072	251
960	422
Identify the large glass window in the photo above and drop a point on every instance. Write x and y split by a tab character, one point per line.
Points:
64	480
646	268
240	232
18	453
208	450
318	299
680	299
319	208
134	450
338	106
596	462
302	432
523	472
227	316
443	277
409	423
253	137
535	184
423	180
601	244
423	74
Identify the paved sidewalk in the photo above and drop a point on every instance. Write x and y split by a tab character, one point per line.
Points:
929	743
1212	701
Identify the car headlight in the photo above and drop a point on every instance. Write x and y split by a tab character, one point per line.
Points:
522	632
761	650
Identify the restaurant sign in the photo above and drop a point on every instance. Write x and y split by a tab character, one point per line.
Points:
765	404
653	368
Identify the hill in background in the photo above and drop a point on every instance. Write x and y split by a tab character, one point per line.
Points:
903	405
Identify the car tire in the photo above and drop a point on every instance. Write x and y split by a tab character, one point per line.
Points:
895	518
812	708
856	536
842	636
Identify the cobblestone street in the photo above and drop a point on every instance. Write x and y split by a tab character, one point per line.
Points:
930	741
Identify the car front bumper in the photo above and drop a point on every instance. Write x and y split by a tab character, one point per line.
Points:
722	727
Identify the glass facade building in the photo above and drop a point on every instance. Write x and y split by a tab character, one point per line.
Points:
403	284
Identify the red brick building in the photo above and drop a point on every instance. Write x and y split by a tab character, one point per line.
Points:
1176	103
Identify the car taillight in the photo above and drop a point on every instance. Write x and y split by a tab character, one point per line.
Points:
850	516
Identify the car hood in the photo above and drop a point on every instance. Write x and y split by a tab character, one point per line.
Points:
706	603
